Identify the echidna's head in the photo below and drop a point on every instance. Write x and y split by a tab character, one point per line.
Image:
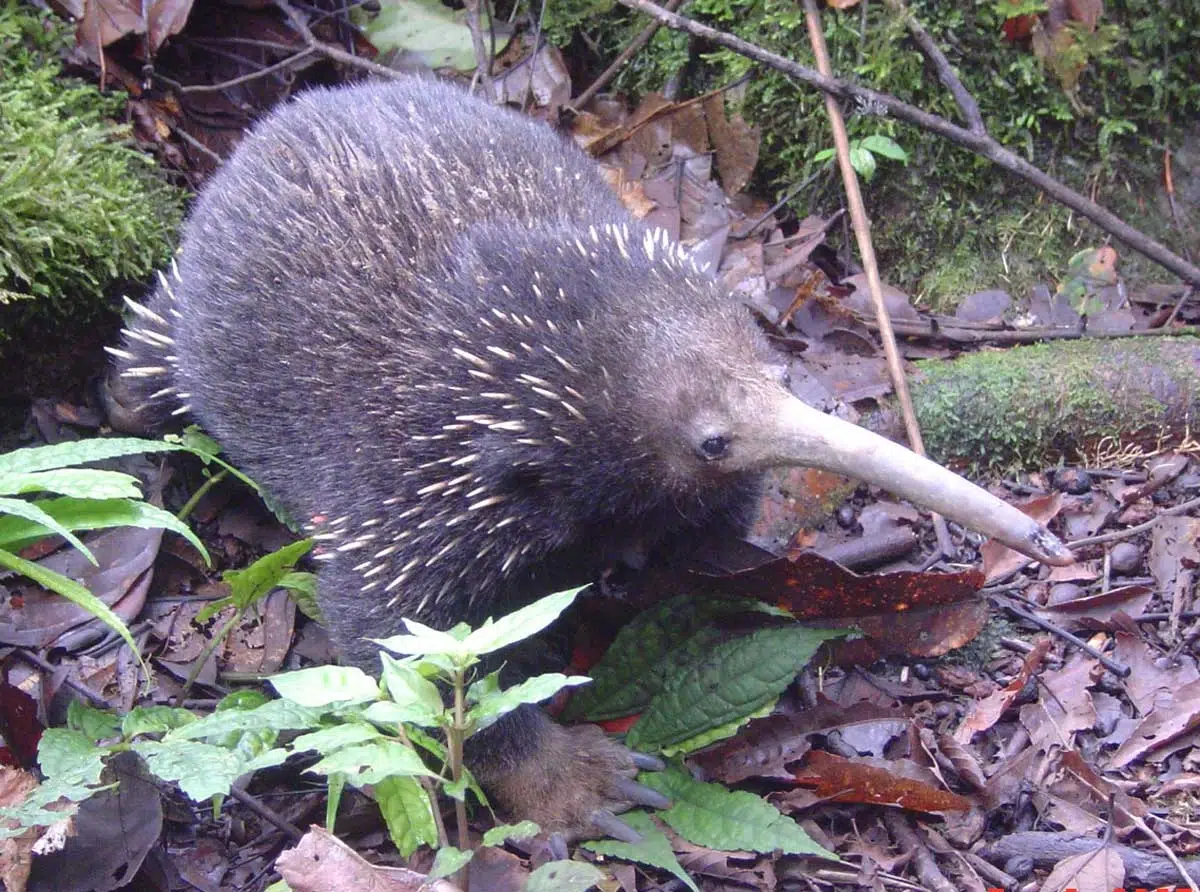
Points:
619	375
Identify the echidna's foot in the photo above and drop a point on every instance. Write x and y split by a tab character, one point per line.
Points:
571	781
121	404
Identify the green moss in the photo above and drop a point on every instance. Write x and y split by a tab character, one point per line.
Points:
949	222
80	208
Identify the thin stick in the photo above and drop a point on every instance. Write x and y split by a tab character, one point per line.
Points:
866	249
618	63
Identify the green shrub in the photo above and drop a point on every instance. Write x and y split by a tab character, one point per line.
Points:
80	208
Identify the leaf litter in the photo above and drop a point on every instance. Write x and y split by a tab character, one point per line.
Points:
876	729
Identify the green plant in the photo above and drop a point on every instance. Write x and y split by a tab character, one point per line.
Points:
80	208
863	152
87	499
403	738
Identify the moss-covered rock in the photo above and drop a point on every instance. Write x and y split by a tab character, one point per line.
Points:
1030	407
80	208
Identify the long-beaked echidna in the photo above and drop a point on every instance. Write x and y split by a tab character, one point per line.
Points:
427	326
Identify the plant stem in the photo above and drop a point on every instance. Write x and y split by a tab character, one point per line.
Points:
200	493
454	740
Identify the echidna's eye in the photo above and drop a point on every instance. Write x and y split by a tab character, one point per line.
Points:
714	447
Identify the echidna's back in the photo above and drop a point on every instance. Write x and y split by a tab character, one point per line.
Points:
331	235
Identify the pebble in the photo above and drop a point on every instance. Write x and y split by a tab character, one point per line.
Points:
1125	558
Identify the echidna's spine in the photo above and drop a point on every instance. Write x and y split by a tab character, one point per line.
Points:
147	361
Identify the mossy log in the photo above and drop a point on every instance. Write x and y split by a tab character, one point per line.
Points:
1080	401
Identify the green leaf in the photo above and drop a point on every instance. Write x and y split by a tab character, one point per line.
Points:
654	850
95	724
82	483
564	876
499	834
321	686
449	860
95	514
433	33
426	641
275	715
494	703
77	452
303	588
369	763
823	155
412	691
71	756
202	770
736	679
256	581
327	740
155	720
677	632
31	512
863	162
711	816
885	146
76	594
519	625
408	813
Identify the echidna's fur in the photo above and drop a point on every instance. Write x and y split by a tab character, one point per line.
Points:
427	326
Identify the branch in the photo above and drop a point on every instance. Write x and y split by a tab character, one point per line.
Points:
980	143
962	97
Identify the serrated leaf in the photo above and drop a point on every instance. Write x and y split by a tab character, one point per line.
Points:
711	816
76	594
498	835
328	740
71	756
885	146
721	732
564	876
520	624
654	850
325	685
34	514
155	720
95	724
302	586
81	483
77	452
677	632
493	704
201	769
737	679
369	763
95	514
256	581
275	715
449	860
408	813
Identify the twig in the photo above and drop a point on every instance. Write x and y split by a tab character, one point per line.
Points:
1128	532
1118	669
483	58
618	63
336	54
934	330
1183	299
866	249
286	827
962	97
981	144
